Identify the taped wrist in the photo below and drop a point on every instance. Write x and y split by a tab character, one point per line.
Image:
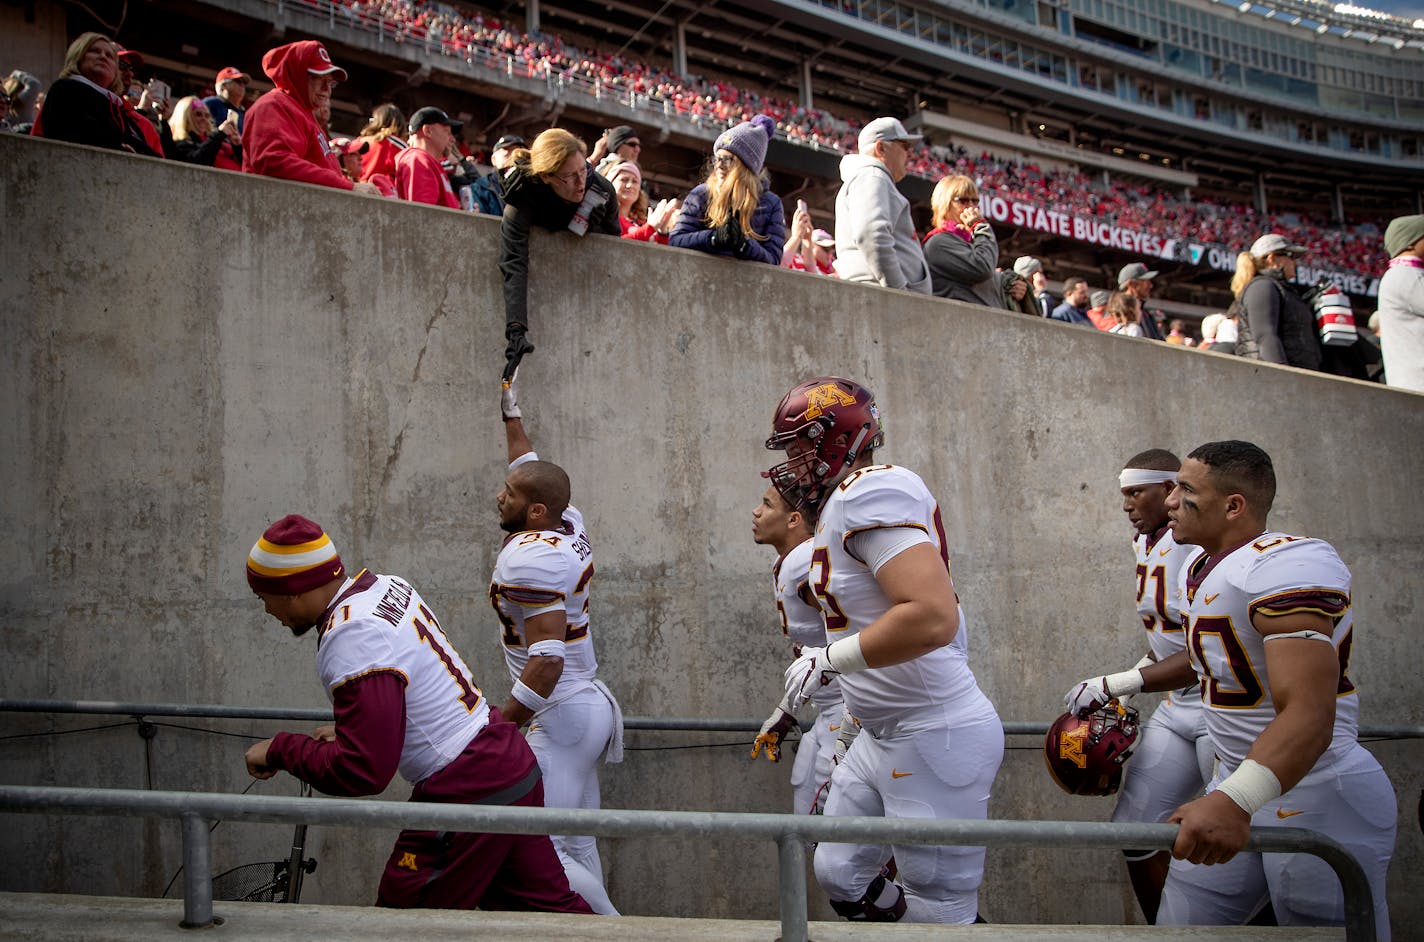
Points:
526	695
1123	683
844	656
1251	786
549	647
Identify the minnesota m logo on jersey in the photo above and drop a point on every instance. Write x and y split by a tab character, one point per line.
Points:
824	397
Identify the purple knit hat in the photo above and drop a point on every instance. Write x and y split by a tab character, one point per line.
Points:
748	141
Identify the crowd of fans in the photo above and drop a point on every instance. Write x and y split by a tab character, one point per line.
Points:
556	184
442	29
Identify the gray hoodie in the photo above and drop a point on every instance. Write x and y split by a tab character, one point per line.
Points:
875	236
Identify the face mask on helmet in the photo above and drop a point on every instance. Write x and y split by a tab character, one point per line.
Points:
1086	754
823	425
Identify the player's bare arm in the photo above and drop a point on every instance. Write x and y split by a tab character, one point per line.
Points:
1304	677
543	671
1304	674
923	614
1170	673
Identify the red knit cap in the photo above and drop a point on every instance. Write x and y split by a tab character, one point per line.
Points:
293	556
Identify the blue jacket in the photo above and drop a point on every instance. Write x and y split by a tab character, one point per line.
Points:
1072	315
769	220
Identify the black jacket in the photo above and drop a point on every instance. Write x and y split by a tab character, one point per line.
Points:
1277	325
531	202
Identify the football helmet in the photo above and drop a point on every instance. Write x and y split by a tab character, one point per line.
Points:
823	424
1086	752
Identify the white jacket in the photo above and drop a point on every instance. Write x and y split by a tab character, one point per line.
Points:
875	236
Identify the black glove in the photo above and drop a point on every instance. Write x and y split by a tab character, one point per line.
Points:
728	237
516	348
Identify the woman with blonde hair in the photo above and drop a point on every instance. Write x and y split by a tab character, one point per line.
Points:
84	106
549	184
192	138
1274	323
382	134
733	213
961	250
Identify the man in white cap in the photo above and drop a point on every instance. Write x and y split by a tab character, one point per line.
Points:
1137	279
875	235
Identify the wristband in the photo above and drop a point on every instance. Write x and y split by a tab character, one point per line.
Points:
1123	684
844	655
549	647
1251	786
526	695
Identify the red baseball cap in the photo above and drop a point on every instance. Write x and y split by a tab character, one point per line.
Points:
319	63
349	146
134	60
231	73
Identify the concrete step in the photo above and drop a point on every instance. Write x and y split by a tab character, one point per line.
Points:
57	918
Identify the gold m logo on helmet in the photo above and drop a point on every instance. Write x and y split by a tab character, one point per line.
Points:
1070	746
826	396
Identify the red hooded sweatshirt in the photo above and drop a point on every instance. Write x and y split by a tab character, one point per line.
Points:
280	136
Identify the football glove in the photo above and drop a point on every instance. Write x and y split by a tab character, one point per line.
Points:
810	672
518	345
845	735
509	397
1093	692
773	732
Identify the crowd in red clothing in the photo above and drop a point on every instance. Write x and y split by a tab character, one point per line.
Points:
480	39
477	37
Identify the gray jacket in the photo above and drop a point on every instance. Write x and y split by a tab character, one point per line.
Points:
875	236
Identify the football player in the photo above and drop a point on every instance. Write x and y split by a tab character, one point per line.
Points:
1269	632
540	593
788	531
930	741
1173	758
404	701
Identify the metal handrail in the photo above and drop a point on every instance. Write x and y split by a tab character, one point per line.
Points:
666	724
790	832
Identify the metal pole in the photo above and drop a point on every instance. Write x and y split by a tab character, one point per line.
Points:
791	856
197	873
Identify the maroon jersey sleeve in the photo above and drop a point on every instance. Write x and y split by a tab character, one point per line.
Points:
370	731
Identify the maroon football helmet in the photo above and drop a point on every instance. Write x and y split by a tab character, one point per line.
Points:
823	424
1086	753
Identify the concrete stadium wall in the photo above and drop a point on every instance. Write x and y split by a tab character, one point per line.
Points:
190	354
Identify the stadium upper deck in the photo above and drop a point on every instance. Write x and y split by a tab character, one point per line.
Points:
1296	101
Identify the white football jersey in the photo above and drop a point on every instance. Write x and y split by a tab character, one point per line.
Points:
1160	560
801	618
542	571
380	623
1274	574
875	497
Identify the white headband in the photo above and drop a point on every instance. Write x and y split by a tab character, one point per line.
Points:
1134	477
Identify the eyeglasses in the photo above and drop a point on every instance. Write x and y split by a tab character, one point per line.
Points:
724	161
966	199
568	179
